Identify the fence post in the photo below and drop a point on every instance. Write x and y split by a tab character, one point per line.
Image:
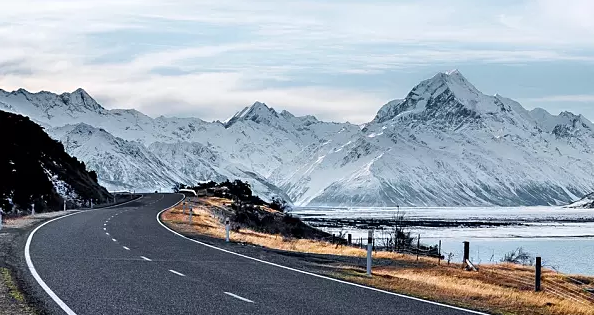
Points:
538	274
64	204
227	228
190	212
418	246
439	253
349	239
369	248
466	255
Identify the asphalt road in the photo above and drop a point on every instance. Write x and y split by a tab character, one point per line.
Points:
123	261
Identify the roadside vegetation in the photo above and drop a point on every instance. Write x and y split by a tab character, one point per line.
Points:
504	288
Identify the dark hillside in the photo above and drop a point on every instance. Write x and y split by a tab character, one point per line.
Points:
35	169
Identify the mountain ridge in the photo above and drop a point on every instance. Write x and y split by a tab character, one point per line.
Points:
444	135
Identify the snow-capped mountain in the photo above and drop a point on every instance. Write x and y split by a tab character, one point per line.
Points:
119	164
448	144
445	143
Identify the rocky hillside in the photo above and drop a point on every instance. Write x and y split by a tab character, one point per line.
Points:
34	169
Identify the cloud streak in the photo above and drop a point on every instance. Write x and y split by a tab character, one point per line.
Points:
206	57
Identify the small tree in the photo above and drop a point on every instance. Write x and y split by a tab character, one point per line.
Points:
518	256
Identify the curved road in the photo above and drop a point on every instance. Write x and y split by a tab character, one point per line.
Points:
123	261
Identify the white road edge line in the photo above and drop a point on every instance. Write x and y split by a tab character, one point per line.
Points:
239	297
309	273
177	273
34	273
126	248
147	259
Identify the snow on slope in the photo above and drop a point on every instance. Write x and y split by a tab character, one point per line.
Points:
119	164
586	202
445	143
448	144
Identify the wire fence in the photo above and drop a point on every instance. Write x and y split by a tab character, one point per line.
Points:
553	283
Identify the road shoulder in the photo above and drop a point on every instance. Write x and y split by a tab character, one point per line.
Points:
15	292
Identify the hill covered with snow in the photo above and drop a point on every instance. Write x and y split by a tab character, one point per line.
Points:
445	143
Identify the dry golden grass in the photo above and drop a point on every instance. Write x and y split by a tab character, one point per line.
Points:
501	288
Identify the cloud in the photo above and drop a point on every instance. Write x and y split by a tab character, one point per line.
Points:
579	98
212	58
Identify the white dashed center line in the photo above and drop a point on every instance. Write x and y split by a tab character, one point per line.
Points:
106	233
126	248
177	273
147	259
113	239
239	297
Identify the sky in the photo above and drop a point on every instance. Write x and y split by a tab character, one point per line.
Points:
338	60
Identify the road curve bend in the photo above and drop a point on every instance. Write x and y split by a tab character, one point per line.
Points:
121	260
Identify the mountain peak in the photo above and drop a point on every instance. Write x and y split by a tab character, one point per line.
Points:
448	95
258	112
453	72
79	99
82	92
456	82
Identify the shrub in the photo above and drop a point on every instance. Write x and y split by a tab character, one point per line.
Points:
518	256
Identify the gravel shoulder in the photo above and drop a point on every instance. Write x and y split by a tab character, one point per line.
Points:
13	291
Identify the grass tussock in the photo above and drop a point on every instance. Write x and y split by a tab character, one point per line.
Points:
501	288
13	290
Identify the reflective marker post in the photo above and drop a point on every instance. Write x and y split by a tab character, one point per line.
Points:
369	248
0	219
190	211
227	228
184	207
32	209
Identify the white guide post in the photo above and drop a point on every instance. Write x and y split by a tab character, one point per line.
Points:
32	209
227	228
190	211
369	249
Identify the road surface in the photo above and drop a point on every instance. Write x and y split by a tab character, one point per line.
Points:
123	261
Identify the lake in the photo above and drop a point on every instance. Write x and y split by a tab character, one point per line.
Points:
564	238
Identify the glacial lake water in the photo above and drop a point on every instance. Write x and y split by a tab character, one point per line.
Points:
564	238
